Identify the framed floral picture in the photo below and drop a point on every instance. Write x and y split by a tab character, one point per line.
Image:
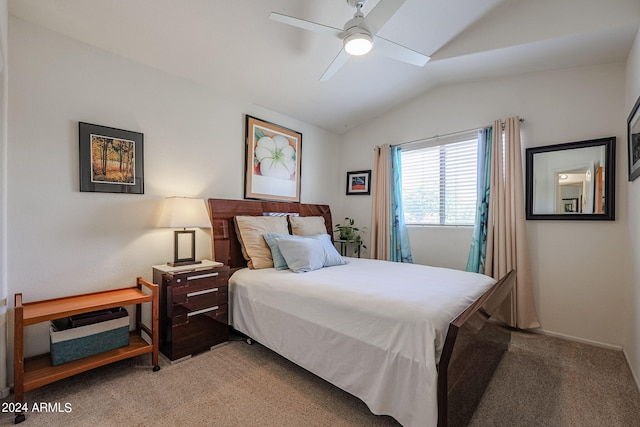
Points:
358	182
111	160
272	161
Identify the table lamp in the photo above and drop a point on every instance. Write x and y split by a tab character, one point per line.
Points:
183	212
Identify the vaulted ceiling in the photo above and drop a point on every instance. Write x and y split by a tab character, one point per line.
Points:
232	47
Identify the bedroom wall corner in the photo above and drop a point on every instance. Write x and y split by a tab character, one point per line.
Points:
631	345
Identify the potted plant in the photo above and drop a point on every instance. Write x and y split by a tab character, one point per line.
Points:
350	233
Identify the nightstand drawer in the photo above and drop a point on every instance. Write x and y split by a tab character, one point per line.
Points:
199	304
217	312
178	305
189	283
199	334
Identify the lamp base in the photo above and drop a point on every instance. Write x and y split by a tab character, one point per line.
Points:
181	263
188	238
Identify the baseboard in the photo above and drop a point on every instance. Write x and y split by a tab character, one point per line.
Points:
634	374
576	339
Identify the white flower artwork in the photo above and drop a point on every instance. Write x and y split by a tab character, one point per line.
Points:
276	157
273	162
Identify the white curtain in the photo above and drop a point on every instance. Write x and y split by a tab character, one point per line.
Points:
507	245
380	224
389	237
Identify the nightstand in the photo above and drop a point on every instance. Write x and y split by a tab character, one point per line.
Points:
344	247
193	307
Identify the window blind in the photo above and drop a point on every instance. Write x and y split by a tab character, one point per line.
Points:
439	181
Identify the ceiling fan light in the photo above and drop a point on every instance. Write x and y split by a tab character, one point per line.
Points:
358	44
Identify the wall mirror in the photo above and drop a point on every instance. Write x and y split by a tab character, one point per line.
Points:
573	181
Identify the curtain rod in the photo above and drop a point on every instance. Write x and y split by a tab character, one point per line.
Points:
443	135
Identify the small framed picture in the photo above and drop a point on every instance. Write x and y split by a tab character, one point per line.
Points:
111	160
358	182
633	136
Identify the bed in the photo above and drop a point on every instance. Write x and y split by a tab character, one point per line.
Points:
422	354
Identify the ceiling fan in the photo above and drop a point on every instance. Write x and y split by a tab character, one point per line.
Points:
359	35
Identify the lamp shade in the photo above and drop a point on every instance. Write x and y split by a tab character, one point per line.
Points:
182	212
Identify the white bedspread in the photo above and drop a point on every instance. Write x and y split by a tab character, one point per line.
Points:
373	328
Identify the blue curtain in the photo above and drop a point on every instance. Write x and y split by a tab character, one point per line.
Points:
400	248
478	250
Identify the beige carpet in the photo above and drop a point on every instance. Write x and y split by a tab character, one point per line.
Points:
541	381
545	381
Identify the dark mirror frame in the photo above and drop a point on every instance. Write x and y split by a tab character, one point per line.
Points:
610	179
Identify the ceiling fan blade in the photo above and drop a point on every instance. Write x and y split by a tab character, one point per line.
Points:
382	12
305	25
398	52
337	63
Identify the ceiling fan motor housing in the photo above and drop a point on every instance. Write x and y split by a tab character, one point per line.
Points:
356	3
356	24
357	39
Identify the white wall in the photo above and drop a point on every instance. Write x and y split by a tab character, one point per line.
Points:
632	338
62	241
579	268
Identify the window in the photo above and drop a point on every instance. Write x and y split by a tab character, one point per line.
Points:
439	181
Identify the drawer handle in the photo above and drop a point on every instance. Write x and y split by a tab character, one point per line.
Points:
202	276
206	291
204	310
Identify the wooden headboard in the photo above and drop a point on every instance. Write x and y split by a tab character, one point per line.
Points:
226	246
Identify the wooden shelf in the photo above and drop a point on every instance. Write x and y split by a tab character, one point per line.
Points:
42	311
37	371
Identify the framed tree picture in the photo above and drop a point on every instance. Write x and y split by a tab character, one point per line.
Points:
111	160
272	161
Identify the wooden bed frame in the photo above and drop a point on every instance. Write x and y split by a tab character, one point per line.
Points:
473	346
